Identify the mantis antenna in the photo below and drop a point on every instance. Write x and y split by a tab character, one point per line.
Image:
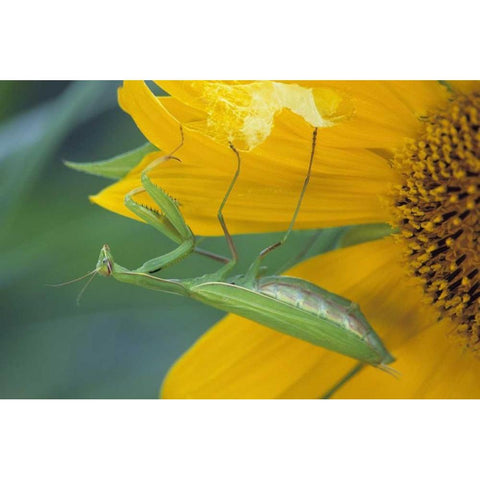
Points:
79	296
93	272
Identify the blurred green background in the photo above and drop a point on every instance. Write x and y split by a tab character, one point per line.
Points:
121	340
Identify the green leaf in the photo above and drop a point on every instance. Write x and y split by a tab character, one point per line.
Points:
116	167
310	243
364	233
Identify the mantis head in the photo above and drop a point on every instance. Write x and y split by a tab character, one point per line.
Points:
105	262
104	267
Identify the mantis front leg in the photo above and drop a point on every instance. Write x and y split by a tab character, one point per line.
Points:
169	221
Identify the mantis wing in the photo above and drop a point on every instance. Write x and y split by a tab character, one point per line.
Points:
292	320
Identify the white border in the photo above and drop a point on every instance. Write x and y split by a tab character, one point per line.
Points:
251	39
231	440
247	39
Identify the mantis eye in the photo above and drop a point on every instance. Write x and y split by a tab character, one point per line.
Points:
108	264
105	262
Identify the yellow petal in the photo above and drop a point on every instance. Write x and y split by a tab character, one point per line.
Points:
347	186
432	365
244	113
385	113
184	114
151	117
240	359
373	274
374	114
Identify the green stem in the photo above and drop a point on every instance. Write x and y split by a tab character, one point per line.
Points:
356	369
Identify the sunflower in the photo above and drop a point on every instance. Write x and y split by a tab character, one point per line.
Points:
403	153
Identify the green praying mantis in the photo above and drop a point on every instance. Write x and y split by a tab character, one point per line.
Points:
289	305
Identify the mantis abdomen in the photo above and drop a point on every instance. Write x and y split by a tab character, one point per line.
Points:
288	316
313	299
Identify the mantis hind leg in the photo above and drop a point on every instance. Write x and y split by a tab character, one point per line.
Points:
255	267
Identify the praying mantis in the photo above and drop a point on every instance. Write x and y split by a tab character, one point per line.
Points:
289	305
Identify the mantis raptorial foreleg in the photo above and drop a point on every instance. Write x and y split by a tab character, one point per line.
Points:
169	220
171	223
164	224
